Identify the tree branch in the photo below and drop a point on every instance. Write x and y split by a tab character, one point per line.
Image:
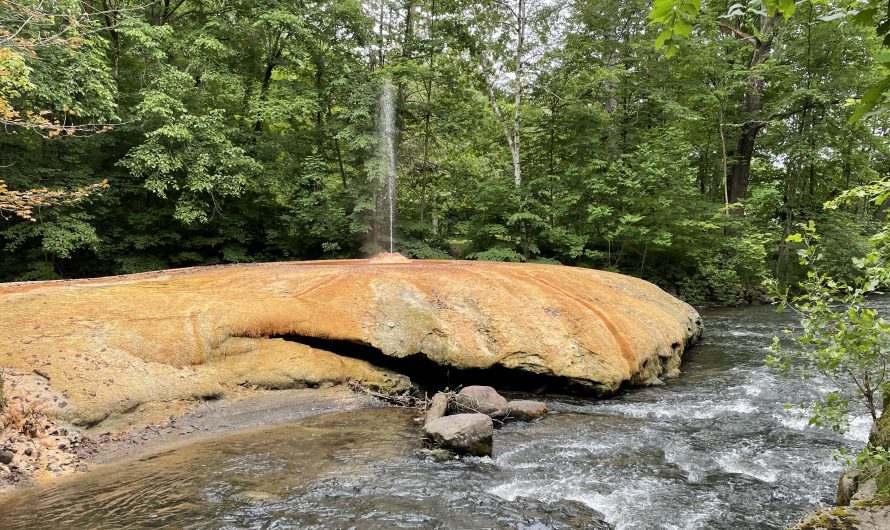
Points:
741	35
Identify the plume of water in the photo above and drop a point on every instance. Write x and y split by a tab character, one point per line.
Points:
387	130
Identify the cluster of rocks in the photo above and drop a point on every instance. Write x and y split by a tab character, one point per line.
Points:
33	445
463	423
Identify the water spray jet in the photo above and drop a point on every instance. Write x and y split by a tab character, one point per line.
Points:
387	129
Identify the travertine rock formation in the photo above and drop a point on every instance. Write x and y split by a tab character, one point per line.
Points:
109	344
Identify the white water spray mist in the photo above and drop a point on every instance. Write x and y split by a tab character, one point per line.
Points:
387	129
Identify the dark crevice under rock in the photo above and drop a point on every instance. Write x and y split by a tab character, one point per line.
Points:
430	376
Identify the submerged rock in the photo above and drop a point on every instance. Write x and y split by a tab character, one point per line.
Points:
525	410
255	496
436	454
482	399
111	344
577	514
671	373
468	434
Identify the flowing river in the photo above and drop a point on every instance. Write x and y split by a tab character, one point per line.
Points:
712	449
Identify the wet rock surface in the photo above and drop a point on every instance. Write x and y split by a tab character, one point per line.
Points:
34	444
847	486
526	410
465	434
435	454
466	407
112	355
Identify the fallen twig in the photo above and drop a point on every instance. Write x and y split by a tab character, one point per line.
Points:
405	399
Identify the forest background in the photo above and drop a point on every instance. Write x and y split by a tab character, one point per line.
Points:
147	135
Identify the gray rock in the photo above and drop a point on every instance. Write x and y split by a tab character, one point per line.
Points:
524	410
438	408
865	517
482	400
6	457
846	487
461	433
866	491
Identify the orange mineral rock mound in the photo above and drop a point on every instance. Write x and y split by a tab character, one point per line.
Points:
389	257
109	345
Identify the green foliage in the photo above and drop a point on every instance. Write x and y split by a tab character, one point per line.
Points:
497	254
191	158
246	132
841	337
677	16
417	249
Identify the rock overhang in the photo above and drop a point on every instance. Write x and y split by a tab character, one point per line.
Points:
192	332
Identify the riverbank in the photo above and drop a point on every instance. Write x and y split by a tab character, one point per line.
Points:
868	507
863	496
41	449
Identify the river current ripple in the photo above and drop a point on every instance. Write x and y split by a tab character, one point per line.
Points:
714	449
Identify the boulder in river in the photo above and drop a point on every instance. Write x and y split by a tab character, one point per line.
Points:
468	434
525	410
109	345
481	399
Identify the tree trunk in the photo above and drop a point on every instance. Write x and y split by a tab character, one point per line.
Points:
512	127
407	54
381	43
424	167
427	117
271	62
340	164
517	110
737	184
724	161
